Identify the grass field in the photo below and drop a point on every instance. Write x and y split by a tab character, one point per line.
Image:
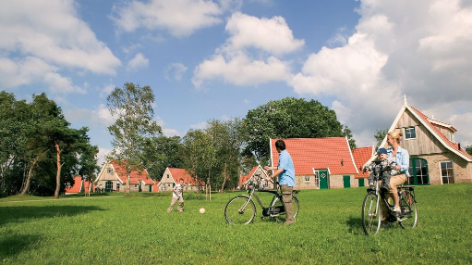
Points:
114	229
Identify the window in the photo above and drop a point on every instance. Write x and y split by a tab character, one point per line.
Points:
418	171
117	186
447	174
167	175
307	178
410	133
317	179
108	170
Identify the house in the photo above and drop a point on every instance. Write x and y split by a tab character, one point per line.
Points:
435	157
172	176
320	163
256	175
361	156
113	177
80	186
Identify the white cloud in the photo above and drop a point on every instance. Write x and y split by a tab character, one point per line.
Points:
139	61
270	35
106	91
179	17
175	71
102	156
170	132
99	117
423	51
58	36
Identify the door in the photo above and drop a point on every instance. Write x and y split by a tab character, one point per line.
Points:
324	179
418	172
347	181
361	182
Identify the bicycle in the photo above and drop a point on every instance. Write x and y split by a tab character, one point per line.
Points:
371	216
242	209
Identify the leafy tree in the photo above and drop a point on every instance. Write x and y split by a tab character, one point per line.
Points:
288	118
347	133
468	149
379	136
132	106
200	154
162	152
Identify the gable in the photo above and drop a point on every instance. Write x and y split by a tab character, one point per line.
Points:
318	153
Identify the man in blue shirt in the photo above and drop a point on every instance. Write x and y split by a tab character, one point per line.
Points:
286	172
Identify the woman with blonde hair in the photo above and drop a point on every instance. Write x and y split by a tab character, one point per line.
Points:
402	159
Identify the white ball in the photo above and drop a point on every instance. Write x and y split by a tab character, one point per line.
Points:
202	210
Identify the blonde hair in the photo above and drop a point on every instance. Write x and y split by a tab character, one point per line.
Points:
397	134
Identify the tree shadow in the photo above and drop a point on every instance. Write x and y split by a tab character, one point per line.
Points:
24	213
12	245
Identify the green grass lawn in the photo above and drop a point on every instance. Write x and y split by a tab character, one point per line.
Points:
114	229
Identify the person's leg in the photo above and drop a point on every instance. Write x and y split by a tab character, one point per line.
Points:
287	200
181	204
174	200
394	182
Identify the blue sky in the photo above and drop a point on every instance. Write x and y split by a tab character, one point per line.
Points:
218	59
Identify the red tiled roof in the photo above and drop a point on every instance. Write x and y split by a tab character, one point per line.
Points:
244	179
361	156
451	144
178	173
77	187
319	153
136	175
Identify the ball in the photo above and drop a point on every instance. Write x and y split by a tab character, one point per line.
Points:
202	210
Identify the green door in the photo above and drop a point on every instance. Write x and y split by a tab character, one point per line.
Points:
324	179
361	182
150	188
418	172
347	181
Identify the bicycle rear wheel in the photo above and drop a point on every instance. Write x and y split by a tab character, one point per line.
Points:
409	215
371	214
278	204
240	210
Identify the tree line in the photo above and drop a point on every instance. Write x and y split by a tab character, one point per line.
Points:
40	152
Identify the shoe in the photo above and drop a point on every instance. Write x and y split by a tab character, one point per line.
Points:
169	210
384	224
397	210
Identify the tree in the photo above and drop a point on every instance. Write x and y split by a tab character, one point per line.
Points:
379	136
132	106
347	133
200	155
288	118
468	149
162	152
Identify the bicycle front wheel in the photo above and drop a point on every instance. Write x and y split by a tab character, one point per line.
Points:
371	214
409	215
240	210
278	204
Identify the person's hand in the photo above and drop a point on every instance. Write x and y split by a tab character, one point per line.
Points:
266	168
398	167
268	178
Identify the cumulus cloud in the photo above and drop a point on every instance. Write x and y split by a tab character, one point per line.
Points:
139	61
69	43
99	117
423	51
235	64
179	17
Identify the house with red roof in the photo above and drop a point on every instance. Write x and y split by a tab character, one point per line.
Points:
361	156
256	176
320	163
113	177
172	176
435	157
80	186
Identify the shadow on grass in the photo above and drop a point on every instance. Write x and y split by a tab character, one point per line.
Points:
23	213
355	225
13	245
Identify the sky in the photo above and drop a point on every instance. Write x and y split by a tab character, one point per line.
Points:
218	59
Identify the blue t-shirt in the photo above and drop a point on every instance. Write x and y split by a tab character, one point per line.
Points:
287	177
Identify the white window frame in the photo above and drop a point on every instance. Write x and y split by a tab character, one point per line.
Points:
307	178
447	176
411	138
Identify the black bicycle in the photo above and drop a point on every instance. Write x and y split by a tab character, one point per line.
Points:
242	209
371	216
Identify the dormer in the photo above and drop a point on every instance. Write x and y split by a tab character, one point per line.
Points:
445	128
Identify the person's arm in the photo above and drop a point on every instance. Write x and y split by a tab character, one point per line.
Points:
405	163
267	168
275	174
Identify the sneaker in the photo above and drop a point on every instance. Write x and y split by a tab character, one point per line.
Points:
397	210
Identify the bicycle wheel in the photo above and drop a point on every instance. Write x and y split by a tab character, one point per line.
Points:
240	210
371	214
409	215
278	204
